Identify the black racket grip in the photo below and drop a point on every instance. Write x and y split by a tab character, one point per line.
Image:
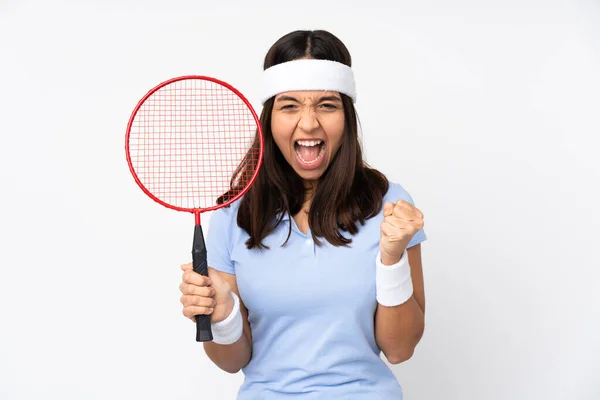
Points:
203	331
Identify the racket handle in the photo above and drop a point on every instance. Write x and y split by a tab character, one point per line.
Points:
203	331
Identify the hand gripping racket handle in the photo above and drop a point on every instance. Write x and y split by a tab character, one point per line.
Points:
203	331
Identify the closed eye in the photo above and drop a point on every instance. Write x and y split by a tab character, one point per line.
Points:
329	106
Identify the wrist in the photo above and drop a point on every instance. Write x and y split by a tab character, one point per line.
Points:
389	260
393	282
229	305
230	329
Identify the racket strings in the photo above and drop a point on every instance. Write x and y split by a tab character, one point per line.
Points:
243	174
193	140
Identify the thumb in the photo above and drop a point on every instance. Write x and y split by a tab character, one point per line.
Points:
186	267
220	285
217	281
388	209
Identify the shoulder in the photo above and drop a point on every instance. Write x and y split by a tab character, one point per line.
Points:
225	216
222	235
397	192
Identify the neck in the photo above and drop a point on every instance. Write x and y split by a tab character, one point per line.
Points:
309	188
309	192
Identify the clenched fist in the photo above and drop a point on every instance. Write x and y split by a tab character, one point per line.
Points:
205	294
400	223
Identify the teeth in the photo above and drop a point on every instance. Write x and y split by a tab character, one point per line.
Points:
315	160
309	143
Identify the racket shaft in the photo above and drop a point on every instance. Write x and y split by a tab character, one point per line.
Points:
203	331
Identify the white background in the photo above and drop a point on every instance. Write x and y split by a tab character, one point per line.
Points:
486	112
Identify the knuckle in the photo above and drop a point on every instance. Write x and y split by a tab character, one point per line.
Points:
207	301
201	310
189	300
199	301
190	289
185	288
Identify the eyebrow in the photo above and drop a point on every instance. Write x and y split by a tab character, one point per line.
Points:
324	98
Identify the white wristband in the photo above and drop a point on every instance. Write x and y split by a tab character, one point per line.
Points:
393	282
230	329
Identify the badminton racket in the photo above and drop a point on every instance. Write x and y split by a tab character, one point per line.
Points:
194	144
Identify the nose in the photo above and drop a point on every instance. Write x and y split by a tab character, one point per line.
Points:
308	121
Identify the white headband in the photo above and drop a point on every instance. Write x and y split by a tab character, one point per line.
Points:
308	74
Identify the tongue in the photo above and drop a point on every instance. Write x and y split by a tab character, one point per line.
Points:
309	153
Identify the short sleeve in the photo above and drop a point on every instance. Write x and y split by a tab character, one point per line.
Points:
219	240
397	192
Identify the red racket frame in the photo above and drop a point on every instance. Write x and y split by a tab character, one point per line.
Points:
195	211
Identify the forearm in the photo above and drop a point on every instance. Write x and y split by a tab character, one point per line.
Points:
399	329
230	357
400	314
231	347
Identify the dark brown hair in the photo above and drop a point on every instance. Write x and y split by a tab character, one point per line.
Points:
348	192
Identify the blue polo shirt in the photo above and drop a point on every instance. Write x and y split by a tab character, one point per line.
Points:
311	310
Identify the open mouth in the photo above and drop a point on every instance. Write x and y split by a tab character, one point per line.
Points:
309	152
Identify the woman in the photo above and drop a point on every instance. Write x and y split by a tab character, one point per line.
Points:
317	269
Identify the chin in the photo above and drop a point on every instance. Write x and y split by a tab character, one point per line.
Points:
310	174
